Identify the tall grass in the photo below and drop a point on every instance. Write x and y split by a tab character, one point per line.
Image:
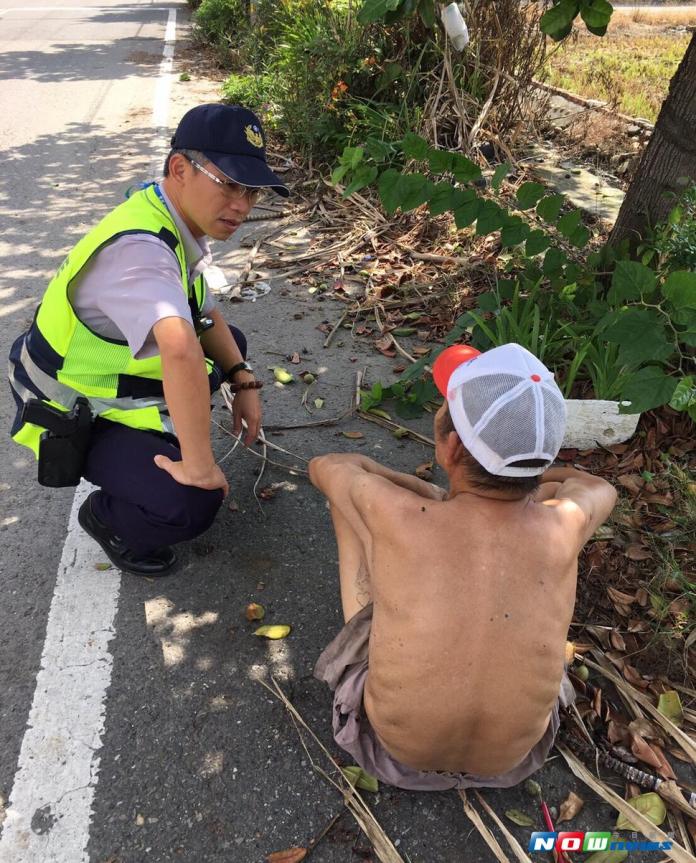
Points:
631	73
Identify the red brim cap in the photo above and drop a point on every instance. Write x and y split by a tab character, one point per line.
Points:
449	360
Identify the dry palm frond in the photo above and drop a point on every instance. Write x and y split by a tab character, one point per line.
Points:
382	844
637	819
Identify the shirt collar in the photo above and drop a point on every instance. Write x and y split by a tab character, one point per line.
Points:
196	251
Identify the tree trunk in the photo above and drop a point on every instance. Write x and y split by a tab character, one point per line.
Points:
669	158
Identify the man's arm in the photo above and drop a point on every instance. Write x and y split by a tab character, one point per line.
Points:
592	498
323	468
219	344
187	394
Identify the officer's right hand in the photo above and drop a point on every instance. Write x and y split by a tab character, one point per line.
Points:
210	478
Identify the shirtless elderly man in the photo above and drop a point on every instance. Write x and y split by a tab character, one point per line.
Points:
449	672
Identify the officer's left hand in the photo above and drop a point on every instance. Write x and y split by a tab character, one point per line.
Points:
247	406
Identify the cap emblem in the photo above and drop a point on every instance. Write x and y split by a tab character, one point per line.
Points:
253	136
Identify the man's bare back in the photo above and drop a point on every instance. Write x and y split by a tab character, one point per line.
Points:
472	596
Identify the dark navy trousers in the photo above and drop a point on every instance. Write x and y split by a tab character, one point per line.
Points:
138	501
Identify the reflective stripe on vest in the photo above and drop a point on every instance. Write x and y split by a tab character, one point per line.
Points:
63	359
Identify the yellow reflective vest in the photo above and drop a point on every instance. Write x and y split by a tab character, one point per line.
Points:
60	359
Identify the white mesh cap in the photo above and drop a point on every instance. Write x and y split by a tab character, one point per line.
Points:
506	408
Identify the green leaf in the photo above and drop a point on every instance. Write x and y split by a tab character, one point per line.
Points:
557	22
568	224
359	778
466	206
488	302
390	73
389	190
669	705
499	175
378	150
596	14
548	208
607	857
651	805
415	147
579	237
646	389
365	175
529	194
442	199
519	818
414	189
684	395
680	289
537	242
490	218
515	231
426	9
339	173
641	334
554	261
630	281
464	169
373	10
440	161
408	410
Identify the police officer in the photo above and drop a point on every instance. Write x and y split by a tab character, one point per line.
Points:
127	324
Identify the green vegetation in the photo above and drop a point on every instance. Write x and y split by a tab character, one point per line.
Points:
631	73
611	327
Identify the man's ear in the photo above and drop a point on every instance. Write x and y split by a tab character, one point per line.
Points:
178	166
454	450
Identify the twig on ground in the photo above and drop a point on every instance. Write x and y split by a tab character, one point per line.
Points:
394	342
289	468
382	844
514	844
380	421
317	839
484	832
327	340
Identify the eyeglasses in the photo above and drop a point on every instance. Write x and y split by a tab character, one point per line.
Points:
229	187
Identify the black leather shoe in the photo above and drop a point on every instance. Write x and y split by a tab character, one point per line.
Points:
152	563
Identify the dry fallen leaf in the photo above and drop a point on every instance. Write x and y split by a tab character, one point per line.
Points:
290	855
519	818
254	611
634	677
665	768
641	749
570	807
295	359
620	597
274	631
617	640
353	435
636	551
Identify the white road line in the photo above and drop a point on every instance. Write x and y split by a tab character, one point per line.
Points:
50	806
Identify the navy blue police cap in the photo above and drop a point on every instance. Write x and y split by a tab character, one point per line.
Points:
232	138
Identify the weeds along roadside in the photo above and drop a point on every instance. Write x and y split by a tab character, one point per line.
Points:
325	77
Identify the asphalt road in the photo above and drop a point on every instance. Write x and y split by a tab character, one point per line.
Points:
132	722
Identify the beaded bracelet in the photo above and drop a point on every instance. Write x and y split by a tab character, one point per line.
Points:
246	385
